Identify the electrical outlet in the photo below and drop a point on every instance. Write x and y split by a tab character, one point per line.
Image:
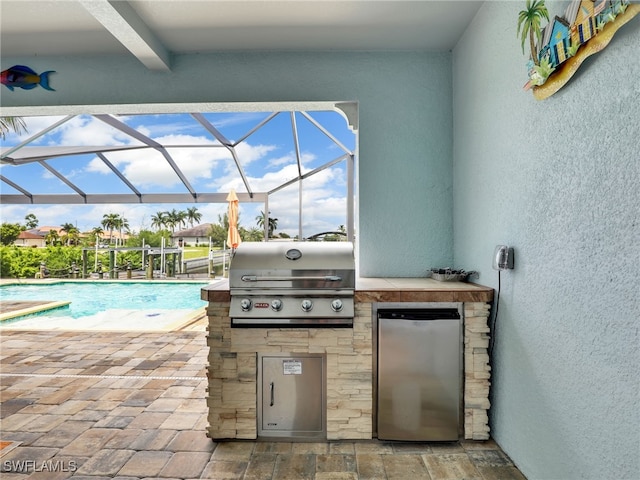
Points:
503	258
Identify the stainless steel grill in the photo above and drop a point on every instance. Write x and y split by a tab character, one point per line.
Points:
292	284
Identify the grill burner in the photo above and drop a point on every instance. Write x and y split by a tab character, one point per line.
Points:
289	284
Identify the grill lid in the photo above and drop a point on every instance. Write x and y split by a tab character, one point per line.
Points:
293	265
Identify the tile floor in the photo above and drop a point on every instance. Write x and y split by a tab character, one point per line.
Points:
131	405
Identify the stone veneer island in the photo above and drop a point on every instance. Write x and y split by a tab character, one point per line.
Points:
232	369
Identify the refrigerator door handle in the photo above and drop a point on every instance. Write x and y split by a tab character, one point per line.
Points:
271	388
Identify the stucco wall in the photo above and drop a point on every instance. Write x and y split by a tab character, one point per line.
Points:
559	180
405	118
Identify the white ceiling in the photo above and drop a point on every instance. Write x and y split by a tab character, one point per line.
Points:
153	30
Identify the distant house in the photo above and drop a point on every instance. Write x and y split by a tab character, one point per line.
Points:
198	235
29	239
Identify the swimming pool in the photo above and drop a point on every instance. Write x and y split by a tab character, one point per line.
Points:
111	304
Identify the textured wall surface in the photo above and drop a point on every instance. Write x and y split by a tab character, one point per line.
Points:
405	193
559	180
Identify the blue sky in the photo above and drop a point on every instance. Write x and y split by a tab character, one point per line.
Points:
268	157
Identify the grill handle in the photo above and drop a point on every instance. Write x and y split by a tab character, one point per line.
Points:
272	393
255	278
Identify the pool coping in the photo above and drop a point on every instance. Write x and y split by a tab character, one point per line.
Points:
37	307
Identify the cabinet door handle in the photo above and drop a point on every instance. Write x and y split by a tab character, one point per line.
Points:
271	390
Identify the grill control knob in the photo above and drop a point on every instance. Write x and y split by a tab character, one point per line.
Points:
306	305
245	304
276	304
336	305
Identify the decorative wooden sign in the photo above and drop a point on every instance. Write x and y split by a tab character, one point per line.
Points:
586	28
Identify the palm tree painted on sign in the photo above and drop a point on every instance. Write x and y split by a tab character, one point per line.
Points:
529	22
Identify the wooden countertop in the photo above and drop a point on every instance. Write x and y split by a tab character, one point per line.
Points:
388	290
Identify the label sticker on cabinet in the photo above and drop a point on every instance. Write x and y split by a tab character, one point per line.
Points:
292	367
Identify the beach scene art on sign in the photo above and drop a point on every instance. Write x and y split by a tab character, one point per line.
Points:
558	49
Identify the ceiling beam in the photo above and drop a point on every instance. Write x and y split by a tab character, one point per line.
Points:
121	20
124	198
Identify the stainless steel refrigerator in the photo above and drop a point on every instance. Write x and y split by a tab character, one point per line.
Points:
419	373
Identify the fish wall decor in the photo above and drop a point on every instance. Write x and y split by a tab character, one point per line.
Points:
23	77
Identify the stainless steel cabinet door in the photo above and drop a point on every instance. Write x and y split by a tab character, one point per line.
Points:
419	379
292	400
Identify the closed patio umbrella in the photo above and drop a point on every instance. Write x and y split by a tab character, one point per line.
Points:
233	237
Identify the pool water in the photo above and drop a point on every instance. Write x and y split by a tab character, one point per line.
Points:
96	298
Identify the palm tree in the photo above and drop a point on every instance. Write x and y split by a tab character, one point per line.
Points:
110	222
97	232
175	219
193	215
529	22
30	221
122	224
159	220
273	223
52	237
68	229
11	123
72	235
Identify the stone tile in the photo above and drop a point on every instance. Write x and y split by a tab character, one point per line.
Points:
88	442
123	439
185	465
233	451
380	448
489	458
370	466
178	392
345	448
272	447
145	464
15	422
260	467
335	463
142	398
191	441
180	421
71	407
14	405
402	467
336	476
44	423
165	405
148	420
152	439
226	470
295	467
451	467
63	434
501	473
446	447
314	448
114	421
414	448
90	414
22	459
106	462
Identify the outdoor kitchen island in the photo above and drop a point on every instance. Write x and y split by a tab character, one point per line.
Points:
232	372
